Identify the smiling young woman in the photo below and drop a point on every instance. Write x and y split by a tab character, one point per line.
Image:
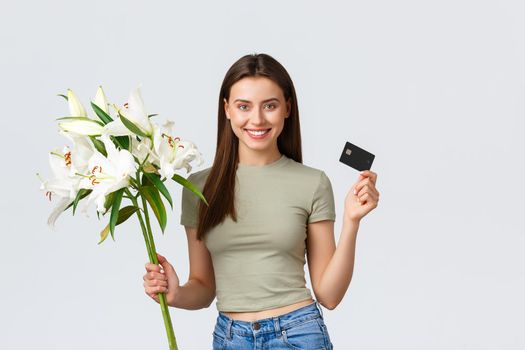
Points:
266	211
257	123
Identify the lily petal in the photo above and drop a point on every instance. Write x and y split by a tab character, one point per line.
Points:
59	209
117	128
101	100
75	106
136	112
82	127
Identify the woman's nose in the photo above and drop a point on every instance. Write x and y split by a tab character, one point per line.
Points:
257	116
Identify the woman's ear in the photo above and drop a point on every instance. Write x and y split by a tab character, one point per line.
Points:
288	107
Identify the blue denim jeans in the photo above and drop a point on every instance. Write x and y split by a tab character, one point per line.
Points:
301	329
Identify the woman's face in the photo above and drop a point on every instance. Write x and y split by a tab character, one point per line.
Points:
257	109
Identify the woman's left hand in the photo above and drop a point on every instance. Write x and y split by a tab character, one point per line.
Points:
362	197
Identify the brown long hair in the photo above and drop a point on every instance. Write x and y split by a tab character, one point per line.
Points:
219	188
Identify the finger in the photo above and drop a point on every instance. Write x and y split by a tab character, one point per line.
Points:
158	289
368	188
156	283
368	174
153	296
366	197
152	267
360	185
152	275
157	275
152	290
160	258
363	198
165	264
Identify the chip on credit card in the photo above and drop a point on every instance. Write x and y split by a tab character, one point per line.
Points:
356	157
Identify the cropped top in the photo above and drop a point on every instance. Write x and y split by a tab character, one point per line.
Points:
259	260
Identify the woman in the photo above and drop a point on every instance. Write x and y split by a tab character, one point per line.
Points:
250	252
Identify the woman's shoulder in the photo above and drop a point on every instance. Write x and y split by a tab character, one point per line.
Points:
199	177
305	170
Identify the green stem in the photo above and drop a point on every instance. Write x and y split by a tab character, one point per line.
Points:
162	296
142	226
152	253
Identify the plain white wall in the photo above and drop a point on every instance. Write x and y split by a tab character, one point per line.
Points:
435	89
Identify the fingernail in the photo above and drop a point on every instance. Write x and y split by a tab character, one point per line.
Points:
355	192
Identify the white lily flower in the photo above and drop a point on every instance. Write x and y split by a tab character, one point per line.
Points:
82	123
101	101
63	184
140	149
107	174
135	112
172	153
84	127
76	109
83	149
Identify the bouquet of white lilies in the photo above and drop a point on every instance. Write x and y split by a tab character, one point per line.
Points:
113	158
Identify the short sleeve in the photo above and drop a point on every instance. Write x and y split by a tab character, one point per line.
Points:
323	207
189	206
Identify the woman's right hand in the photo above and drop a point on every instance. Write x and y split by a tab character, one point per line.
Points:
161	279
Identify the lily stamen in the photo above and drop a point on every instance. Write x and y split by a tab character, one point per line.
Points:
95	168
94	180
67	158
99	176
170	139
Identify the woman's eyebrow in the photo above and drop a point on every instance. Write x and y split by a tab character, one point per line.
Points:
246	101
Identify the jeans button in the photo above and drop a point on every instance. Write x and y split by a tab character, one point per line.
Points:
256	325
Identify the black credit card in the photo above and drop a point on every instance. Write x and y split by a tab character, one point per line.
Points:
356	157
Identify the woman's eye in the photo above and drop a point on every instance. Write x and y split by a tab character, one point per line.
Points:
240	107
273	106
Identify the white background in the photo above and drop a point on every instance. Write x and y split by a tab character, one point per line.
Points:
435	89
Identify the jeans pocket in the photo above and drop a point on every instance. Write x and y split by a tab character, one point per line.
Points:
328	341
219	339
306	335
218	342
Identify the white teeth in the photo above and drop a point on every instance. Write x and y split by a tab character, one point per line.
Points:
258	133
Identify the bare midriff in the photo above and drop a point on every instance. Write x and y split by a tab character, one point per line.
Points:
258	315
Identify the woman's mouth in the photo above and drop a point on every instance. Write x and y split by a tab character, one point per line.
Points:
258	134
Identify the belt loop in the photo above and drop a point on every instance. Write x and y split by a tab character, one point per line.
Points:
229	329
277	326
320	308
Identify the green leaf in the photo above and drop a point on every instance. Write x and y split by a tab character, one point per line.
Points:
184	182
101	114
131	126
64	96
79	198
99	145
153	197
155	179
146	181
108	202
81	118
152	115
123	141
123	215
117	199
80	194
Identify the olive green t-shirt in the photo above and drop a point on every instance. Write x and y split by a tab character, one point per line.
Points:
259	260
